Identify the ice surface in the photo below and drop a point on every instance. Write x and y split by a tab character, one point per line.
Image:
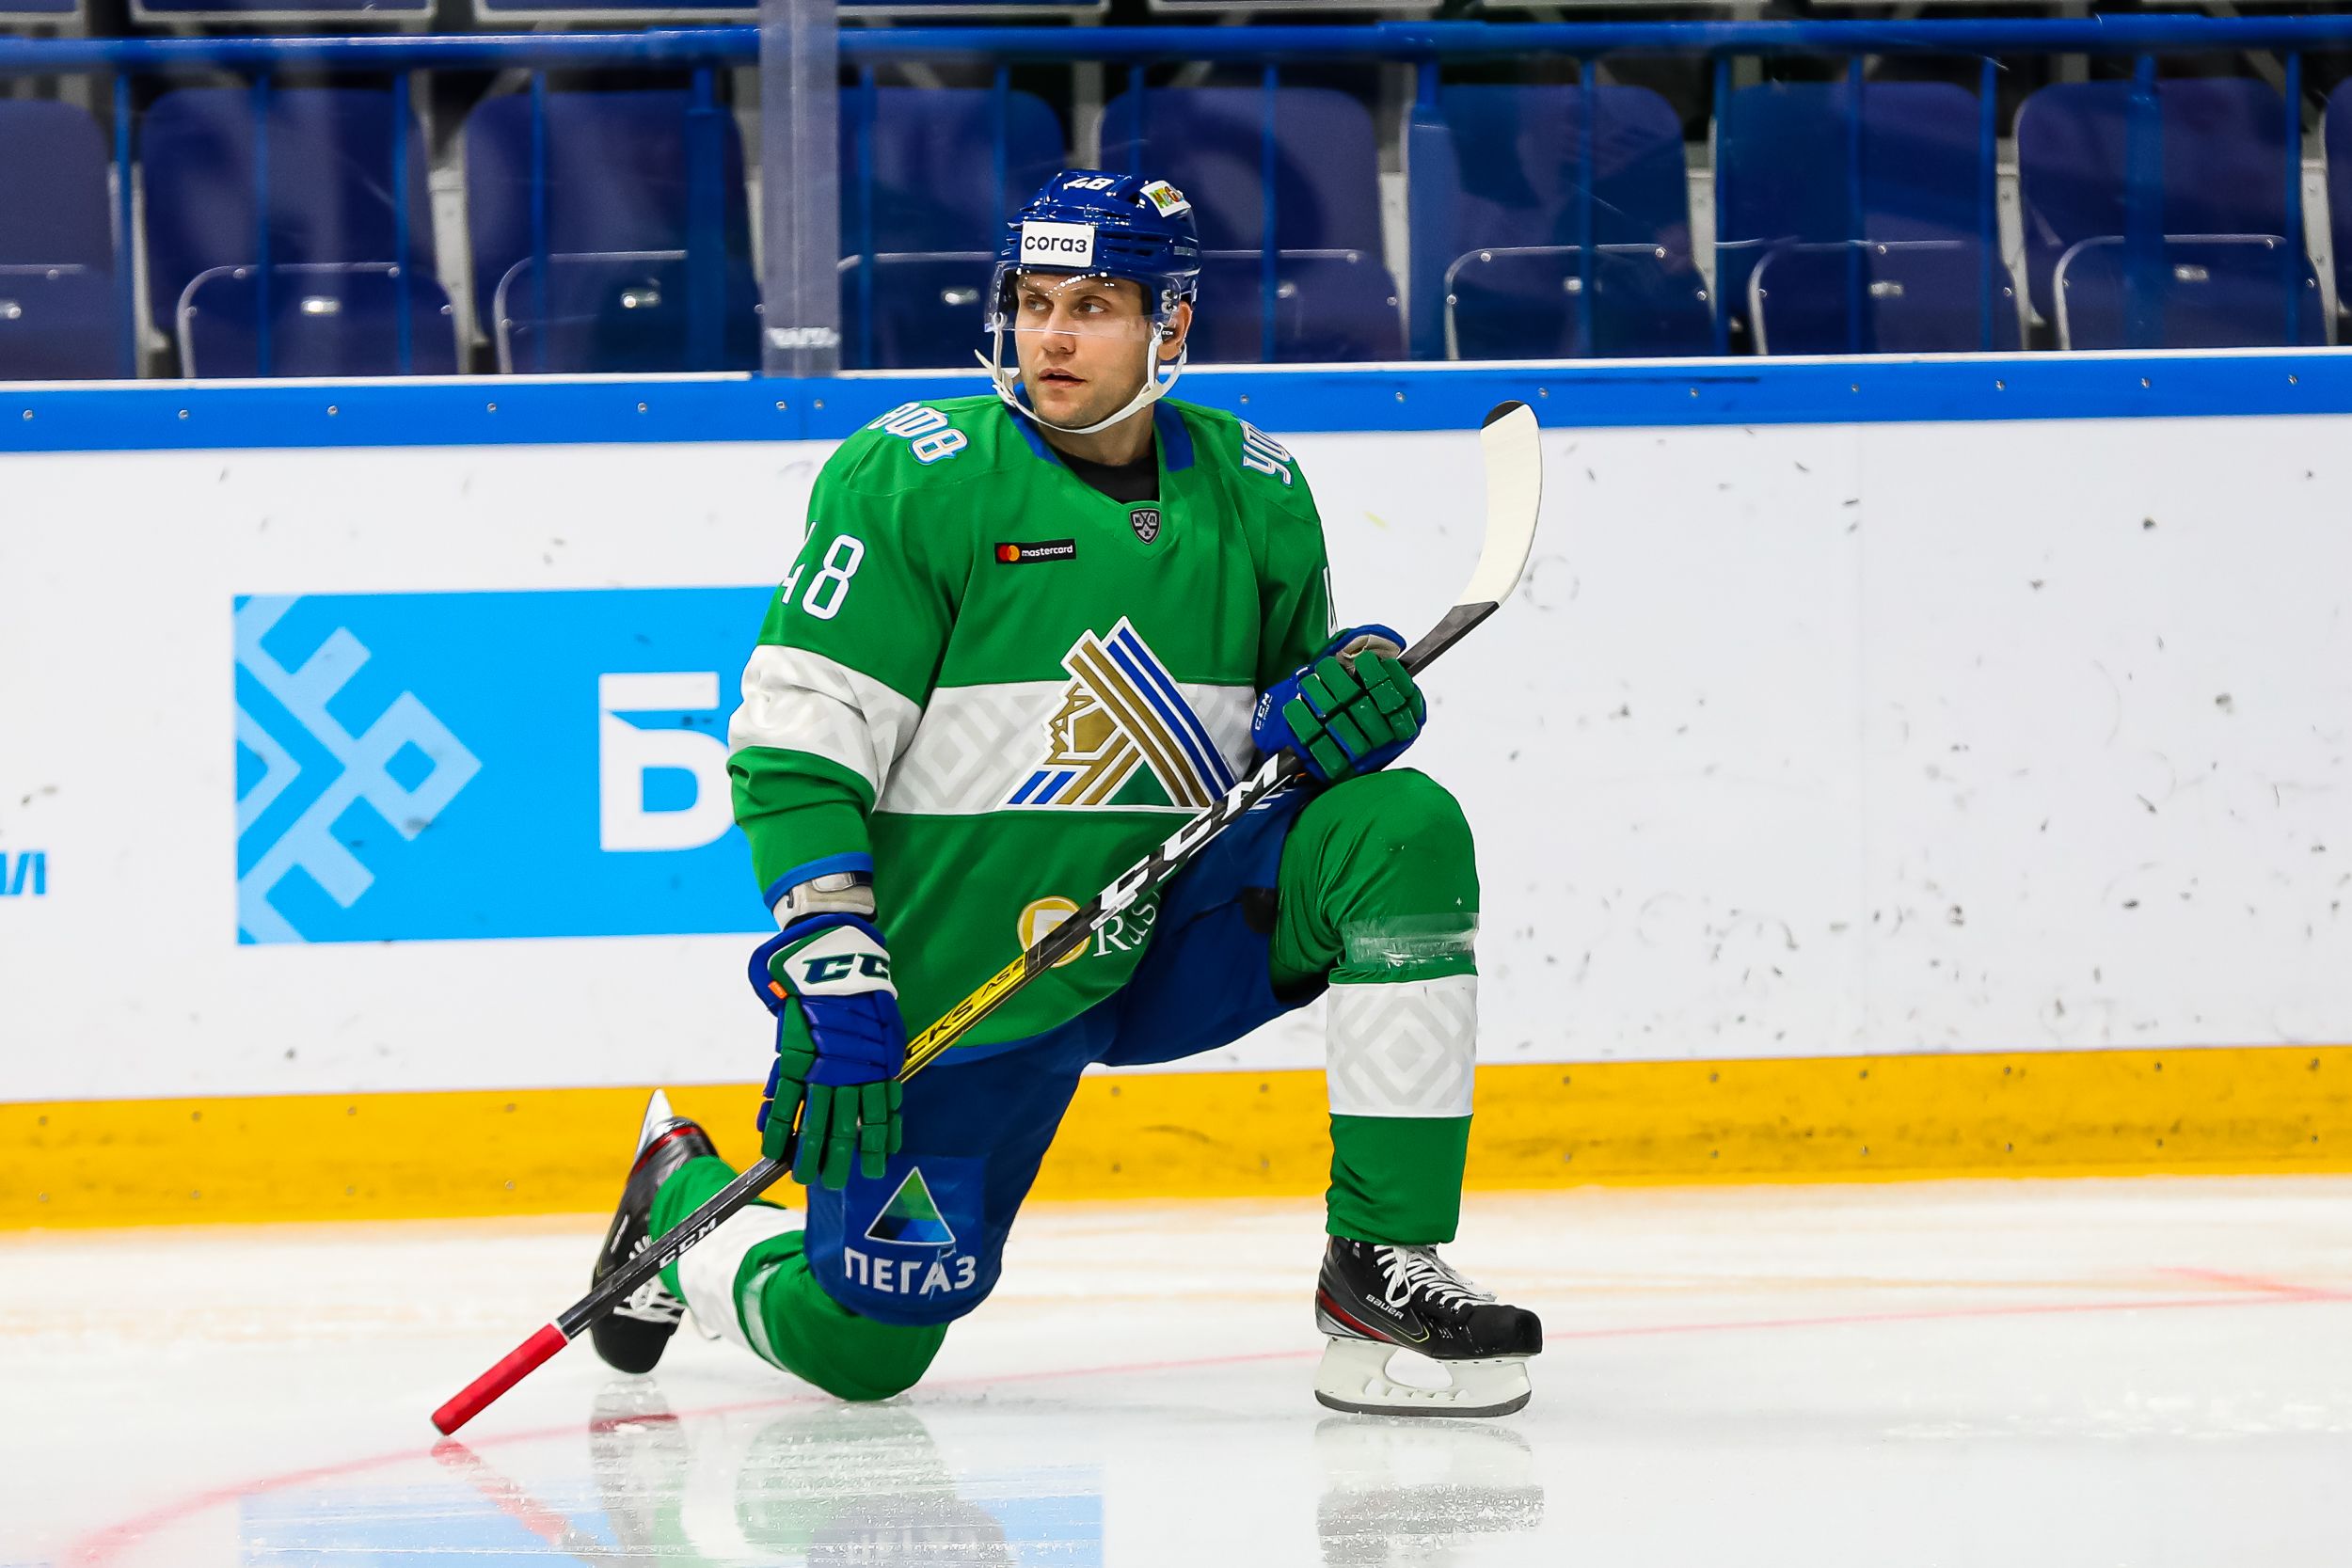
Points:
2148	1372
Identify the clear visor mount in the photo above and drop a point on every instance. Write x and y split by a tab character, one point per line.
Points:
1068	317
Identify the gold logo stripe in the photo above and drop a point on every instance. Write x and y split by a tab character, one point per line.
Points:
1088	661
1117	770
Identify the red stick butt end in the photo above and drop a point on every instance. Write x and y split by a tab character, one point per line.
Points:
520	1363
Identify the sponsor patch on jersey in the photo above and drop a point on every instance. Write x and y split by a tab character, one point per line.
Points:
1040	915
919	1232
1013	554
911	1217
1122	722
1145	520
1061	245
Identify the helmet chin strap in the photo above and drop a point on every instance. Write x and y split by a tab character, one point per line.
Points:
1152	389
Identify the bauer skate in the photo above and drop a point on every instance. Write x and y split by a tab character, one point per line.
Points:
1465	1352
633	1334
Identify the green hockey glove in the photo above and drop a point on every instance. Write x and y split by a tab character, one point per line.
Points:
839	1046
1354	708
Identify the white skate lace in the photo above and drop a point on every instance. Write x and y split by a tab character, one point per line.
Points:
1411	1269
651	1302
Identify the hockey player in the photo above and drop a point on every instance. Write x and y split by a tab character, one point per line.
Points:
1027	635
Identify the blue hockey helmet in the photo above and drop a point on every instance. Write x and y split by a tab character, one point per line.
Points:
1088	222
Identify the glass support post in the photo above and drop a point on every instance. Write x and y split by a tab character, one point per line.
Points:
799	186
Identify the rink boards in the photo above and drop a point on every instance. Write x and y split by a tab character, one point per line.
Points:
1892	769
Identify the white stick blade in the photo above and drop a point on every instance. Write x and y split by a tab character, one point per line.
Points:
1512	448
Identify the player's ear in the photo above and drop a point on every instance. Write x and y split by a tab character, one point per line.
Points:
1179	324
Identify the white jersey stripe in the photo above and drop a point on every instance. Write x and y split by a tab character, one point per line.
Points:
797	701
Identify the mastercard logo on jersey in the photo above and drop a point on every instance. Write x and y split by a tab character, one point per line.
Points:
1046	549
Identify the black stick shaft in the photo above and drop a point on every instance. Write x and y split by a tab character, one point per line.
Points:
621	1283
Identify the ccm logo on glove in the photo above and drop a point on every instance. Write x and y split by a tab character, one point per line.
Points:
844	959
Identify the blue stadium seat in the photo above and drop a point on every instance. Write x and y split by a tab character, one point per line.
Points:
620	291
332	226
1498	185
2336	141
1333	298
932	240
337	318
1499	265
1918	297
277	13
1328	306
1806	270
2223	292
2216	267
522	15
60	308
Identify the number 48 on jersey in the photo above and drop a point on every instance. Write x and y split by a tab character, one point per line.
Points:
830	585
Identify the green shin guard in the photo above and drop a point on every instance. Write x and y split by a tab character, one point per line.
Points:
1397	1181
1379	894
784	1315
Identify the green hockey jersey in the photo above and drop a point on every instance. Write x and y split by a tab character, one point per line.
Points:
1005	686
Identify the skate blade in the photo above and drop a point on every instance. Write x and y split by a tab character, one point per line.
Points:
1355	1377
657	1115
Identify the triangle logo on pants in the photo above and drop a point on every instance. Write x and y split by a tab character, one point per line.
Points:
911	1219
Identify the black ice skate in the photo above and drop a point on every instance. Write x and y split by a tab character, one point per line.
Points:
632	1336
1374	1301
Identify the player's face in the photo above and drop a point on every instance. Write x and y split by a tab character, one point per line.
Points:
1081	344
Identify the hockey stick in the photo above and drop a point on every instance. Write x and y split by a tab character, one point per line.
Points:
1515	479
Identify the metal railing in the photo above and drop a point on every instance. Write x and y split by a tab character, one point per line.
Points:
1428	46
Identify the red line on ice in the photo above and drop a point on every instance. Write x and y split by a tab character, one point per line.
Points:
103	1545
2255	1282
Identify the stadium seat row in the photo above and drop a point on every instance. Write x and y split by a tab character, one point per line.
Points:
613	233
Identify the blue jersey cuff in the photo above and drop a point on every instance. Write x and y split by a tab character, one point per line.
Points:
854	860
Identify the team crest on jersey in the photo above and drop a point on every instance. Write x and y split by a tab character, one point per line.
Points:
1122	722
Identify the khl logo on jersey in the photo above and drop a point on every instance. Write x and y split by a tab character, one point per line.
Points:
1123	716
